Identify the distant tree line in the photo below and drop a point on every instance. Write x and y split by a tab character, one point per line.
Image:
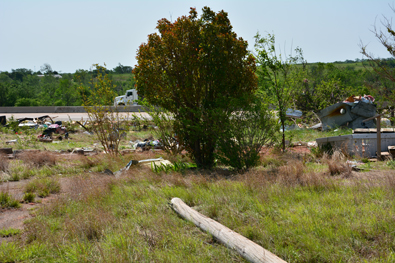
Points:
314	85
24	87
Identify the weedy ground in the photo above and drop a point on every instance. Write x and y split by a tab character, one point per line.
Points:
300	207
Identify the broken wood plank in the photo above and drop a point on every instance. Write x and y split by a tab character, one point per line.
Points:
242	245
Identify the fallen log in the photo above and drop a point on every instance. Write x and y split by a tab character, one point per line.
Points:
245	247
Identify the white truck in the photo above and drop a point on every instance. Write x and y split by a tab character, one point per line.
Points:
130	98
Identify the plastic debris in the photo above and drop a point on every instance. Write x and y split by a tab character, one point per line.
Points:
312	144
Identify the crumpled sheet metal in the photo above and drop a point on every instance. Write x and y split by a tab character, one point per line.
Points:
344	114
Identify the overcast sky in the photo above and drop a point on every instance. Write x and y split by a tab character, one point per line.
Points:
71	35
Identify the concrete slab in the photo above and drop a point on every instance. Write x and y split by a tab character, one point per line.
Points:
364	145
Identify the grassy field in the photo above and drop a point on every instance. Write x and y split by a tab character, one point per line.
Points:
299	207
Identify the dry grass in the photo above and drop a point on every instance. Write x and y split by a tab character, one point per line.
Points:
39	159
88	162
337	164
4	163
80	223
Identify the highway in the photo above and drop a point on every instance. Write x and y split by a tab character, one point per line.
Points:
64	113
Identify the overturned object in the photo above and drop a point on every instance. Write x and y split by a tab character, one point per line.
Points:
348	114
242	245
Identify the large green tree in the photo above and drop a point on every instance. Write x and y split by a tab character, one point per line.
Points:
193	68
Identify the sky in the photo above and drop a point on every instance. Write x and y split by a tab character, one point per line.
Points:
71	35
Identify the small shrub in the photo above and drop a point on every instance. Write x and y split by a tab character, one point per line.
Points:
19	170
29	197
43	187
244	135
14	177
365	160
391	164
107	123
7	201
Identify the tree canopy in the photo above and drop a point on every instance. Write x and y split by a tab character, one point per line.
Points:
194	68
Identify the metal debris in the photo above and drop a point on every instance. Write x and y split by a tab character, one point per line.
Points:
349	114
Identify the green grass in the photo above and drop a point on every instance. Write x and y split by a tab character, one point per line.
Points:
290	206
7	201
306	219
8	232
43	186
306	135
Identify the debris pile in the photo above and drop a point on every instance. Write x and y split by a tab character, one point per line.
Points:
146	144
350	113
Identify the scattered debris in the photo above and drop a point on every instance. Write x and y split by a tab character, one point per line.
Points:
312	144
385	122
83	126
146	144
84	151
290	113
350	113
317	126
11	141
29	124
354	165
108	171
157	161
44	138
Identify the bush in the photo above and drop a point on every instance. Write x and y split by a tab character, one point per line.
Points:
246	133
106	122
6	201
29	197
43	187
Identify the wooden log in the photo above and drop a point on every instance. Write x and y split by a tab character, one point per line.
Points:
378	137
245	247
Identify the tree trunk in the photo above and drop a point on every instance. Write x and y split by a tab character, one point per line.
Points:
245	247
